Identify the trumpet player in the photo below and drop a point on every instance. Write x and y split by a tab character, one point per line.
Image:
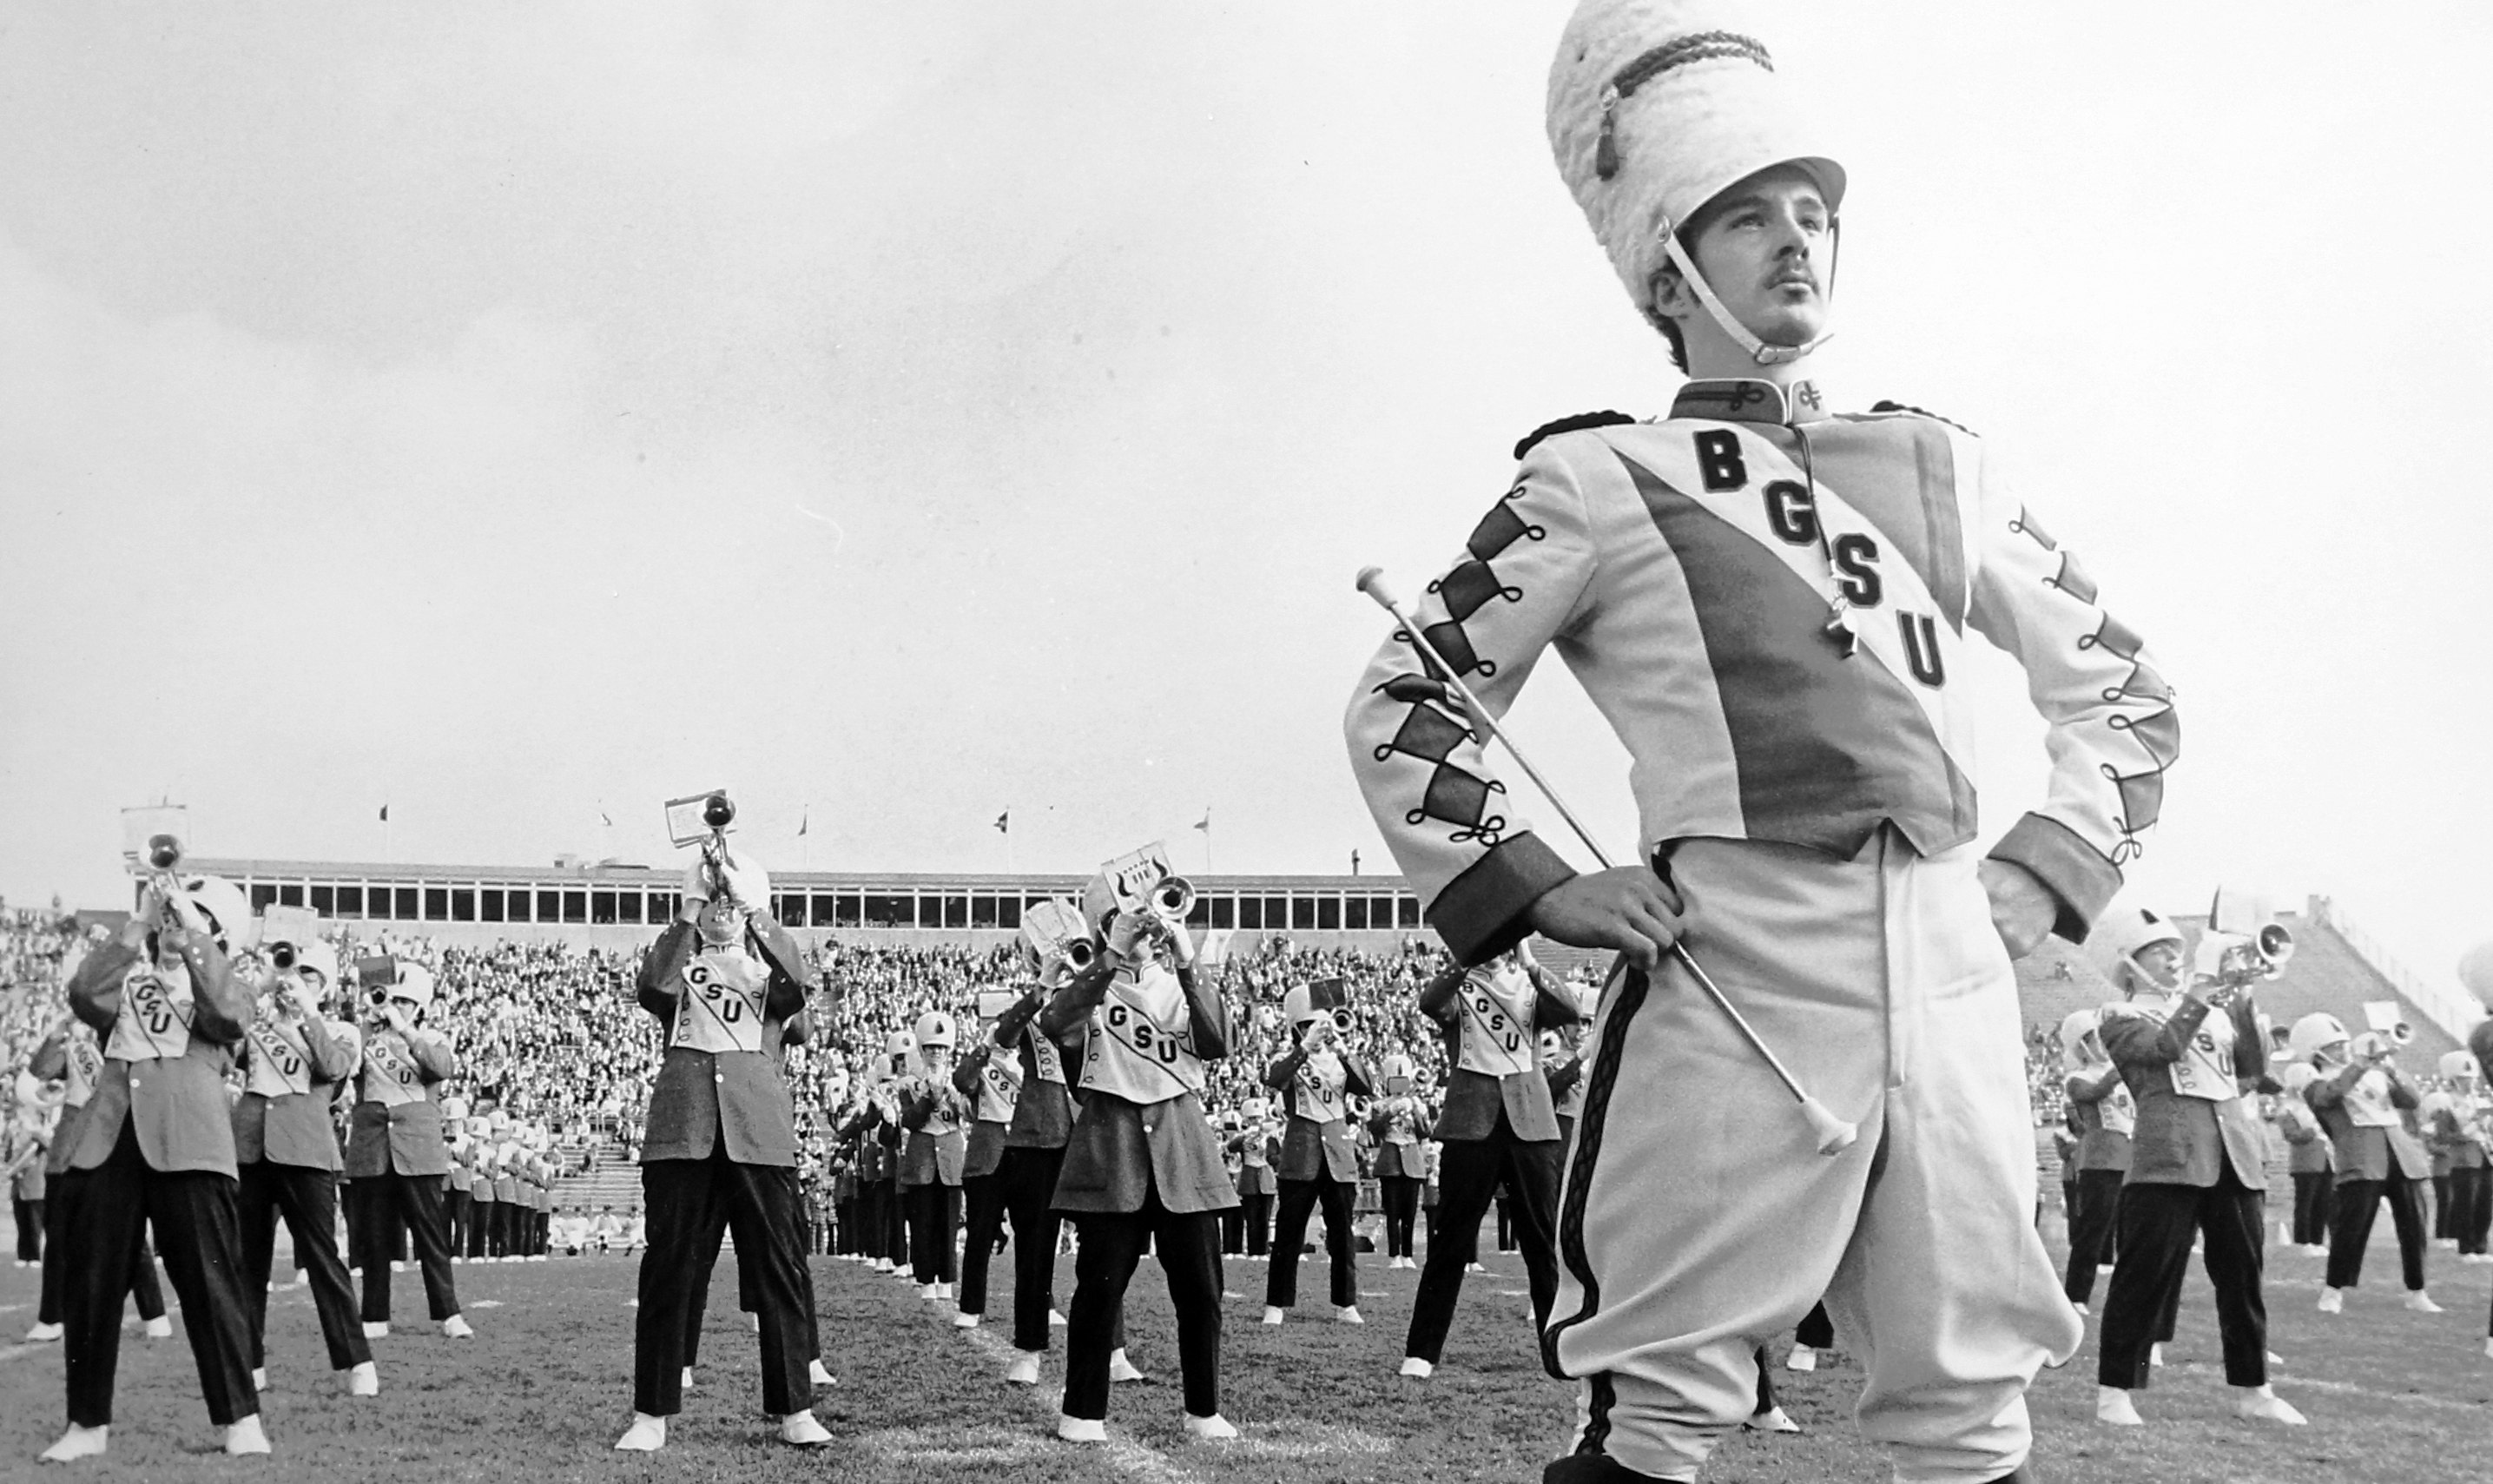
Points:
2104	1115
1399	1124
2188	1050
936	1115
2456	1127
2360	1099
293	1062
72	1054
156	1146
1141	1164
396	1157
1319	1166
722	982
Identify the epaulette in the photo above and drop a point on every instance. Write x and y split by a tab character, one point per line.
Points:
1906	406
1576	424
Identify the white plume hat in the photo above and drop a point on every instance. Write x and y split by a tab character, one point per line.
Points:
1654	108
934	1029
2314	1031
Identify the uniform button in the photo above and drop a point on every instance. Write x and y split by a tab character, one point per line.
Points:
719	1077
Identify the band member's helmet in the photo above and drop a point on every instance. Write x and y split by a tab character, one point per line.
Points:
414	983
225	910
1396	1070
2458	1066
936	1029
2123	932
2316	1032
2075	1027
317	958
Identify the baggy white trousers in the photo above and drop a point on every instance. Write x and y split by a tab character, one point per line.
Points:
1698	1221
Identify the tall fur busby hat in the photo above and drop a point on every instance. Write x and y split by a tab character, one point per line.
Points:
1654	107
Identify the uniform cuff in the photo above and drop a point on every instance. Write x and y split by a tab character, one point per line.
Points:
2081	880
1481	913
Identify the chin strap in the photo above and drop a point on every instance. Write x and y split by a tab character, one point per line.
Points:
1758	350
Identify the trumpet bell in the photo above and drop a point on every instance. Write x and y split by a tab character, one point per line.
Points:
1173	898
718	811
1080	954
163	852
2274	945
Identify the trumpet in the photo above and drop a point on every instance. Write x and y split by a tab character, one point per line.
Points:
163	863
1172	898
1080	954
718	812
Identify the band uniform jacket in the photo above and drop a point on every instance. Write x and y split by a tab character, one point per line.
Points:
929	1157
878	1157
176	1104
1688	572
1474	1099
704	1099
2307	1147
2184	1141
1043	1114
1119	1150
295	1128
986	1148
2453	1131
1406	1158
404	1137
51	1060
2099	1148
1256	1150
1310	1148
2366	1152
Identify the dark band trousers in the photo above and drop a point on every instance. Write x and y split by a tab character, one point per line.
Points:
455	1206
2157	1222
2092	1220
1029	1180
1399	1196
142	1285
1468	1170
1817	1330
480	1226
309	1200
2358	1203
108	1207
1299	1199
2471	1207
1108	1245
378	1206
2312	1204
1256	1212
2441	1229
983	1199
934	1215
30	1229
689	1202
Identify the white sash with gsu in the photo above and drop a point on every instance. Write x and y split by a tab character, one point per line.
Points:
1135	1052
86	1065
2367	1101
2206	1070
998	1091
1495	1027
720	1009
1046	1057
1320	1082
155	1020
391	1077
2118	1110
281	1064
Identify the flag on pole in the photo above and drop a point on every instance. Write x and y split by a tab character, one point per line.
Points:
1205	823
805	821
385	814
609	819
1003	823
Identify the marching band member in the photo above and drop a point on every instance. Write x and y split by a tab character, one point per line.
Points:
873	1127
933	1113
2360	1097
395	1155
2104	1113
1318	1166
1498	1124
155	1147
1398	1123
2197	1165
2458	1131
73	1056
1140	1164
458	1203
1257	1143
2311	1158
723	979
294	1061
1034	1146
2479	1045
992	1083
23	1154
484	1199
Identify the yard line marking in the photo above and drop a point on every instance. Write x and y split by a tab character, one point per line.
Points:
1132	1457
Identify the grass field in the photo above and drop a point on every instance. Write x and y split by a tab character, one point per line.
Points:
544	1390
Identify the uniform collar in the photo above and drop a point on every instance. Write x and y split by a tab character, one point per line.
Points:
1743	399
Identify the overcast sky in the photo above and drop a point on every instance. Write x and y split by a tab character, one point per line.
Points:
903	414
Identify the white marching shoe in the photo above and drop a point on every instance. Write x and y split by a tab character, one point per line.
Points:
2421	1302
1057	1320
2333	1301
932	1290
1801	1358
160	1327
965	1322
259	1379
1024	1370
1081	1428
820	1375
1416	1368
1120	1369
246	1436
397	1266
2114	1405
2083	1310
44	1334
804	1430
2260	1404
1273	1314
364	1380
1348	1313
376	1329
2156	1354
76	1443
456	1327
1209	1429
645	1434
1774	1419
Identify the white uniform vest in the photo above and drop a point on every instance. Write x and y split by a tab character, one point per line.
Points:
998	1090
1494	1026
2367	1101
719	1006
1320	1082
2118	1110
1139	1043
281	1064
939	1115
1046	1055
2205	1067
389	1074
86	1065
155	1019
